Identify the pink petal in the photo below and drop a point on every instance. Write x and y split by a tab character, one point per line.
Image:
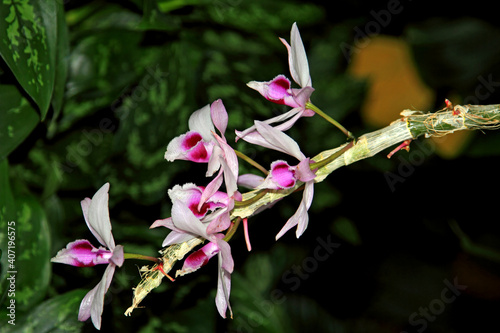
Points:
282	174
198	258
81	253
226	259
277	91
190	147
211	188
303	172
220	223
219	116
191	195
250	181
302	96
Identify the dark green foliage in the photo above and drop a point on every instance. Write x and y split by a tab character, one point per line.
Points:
93	91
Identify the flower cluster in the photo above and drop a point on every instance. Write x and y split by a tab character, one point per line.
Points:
204	211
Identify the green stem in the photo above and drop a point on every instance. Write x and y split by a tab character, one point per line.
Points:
232	229
253	199
139	256
332	121
332	157
251	162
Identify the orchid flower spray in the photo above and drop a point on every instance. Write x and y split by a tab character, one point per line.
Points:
205	217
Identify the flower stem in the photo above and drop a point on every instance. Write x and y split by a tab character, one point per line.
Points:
331	158
139	256
251	162
253	199
332	121
232	229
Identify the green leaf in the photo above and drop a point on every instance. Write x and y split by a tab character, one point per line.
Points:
58	314
17	119
28	46
26	243
61	68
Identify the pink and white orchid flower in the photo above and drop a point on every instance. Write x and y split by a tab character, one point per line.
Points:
279	90
217	207
82	253
201	144
184	221
197	144
282	175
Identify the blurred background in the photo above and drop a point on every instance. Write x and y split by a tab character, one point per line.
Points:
93	91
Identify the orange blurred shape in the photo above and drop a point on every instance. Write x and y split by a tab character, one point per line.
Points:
394	83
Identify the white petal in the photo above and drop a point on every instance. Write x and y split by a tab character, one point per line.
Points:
201	122
300	218
280	140
185	220
281	117
93	303
175	237
297	58
223	291
98	217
